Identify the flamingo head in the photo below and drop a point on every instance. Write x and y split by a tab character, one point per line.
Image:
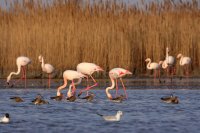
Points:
147	60
128	72
179	56
40	58
8	79
160	62
98	68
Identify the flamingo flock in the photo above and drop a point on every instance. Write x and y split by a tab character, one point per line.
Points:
168	64
86	70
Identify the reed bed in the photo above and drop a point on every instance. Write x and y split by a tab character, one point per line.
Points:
107	33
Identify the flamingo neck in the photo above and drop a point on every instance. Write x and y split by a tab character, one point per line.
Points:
61	87
78	82
42	65
148	65
164	65
181	60
109	88
167	55
14	73
69	93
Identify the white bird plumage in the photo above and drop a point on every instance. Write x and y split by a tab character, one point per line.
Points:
169	62
87	69
5	118
154	66
184	61
48	68
116	117
21	62
69	75
114	74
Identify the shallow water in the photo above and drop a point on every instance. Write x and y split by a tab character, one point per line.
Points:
143	111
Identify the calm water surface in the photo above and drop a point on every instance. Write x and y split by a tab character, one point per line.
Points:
143	111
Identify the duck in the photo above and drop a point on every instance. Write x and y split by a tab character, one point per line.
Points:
89	97
5	118
58	98
170	99
71	98
118	99
38	100
17	99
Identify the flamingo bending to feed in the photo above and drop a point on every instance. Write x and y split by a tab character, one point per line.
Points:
114	74
21	62
48	68
70	75
184	61
87	69
154	66
169	62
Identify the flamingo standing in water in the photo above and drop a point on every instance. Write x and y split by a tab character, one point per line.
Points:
21	62
70	75
154	66
114	74
169	62
48	68
87	69
184	61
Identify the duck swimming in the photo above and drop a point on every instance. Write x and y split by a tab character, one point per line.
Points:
17	99
58	98
90	97
5	118
170	99
118	99
38	100
71	98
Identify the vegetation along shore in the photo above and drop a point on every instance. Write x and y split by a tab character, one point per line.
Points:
109	34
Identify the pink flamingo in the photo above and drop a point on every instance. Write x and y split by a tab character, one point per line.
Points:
21	62
70	75
184	61
169	62
87	69
48	68
155	66
114	74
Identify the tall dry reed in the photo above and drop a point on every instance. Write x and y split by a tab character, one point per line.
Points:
107	33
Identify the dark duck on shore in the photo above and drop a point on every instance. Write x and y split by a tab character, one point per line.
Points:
17	99
39	100
170	99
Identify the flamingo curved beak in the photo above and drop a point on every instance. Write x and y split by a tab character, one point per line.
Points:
99	69
128	72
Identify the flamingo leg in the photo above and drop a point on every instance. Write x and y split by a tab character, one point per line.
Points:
124	88
24	75
49	80
74	88
154	75
116	94
89	87
20	78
